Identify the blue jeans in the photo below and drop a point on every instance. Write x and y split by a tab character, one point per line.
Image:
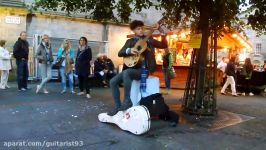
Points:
167	80
46	73
22	73
126	77
63	78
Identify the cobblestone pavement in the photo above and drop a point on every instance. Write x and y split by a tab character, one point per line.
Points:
54	118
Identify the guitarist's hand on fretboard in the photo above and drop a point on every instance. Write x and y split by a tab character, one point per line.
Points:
157	26
134	51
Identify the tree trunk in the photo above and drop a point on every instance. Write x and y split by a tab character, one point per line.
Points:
215	40
201	60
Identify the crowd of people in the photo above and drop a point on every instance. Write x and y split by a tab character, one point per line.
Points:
229	76
67	63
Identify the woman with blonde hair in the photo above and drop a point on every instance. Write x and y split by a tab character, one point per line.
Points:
66	55
5	64
44	56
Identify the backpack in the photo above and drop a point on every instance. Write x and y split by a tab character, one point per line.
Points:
157	108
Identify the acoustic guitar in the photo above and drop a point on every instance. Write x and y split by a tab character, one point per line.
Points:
141	46
135	119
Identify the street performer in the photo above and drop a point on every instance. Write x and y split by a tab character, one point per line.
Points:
138	72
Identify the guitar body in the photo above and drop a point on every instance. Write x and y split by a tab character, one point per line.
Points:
141	46
135	119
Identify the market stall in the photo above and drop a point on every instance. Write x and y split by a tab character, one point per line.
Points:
179	43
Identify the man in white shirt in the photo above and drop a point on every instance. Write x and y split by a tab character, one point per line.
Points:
221	66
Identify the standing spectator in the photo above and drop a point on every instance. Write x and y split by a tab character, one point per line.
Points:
167	65
231	74
21	53
82	66
44	55
221	66
247	72
5	64
66	53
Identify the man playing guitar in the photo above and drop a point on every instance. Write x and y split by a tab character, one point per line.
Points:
137	72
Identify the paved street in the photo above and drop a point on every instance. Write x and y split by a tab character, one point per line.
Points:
26	116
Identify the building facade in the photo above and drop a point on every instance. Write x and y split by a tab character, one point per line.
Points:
103	38
259	42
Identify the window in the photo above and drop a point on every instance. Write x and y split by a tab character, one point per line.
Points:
258	48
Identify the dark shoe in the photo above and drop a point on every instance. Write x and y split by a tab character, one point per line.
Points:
173	124
223	93
125	106
113	112
27	88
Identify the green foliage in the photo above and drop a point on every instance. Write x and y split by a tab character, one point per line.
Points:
257	15
101	10
179	12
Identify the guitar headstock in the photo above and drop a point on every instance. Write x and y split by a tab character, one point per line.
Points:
157	26
159	23
162	20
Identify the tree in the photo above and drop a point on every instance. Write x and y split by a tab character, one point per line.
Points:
178	11
203	16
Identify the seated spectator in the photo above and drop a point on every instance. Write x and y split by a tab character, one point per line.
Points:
103	68
109	65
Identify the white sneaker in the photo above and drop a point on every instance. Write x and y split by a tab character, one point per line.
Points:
80	93
64	91
243	93
37	89
72	92
7	86
45	91
2	88
251	94
88	96
23	89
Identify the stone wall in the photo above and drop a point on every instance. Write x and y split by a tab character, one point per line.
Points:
63	27
10	31
117	37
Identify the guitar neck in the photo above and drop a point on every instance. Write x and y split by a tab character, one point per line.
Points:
149	34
